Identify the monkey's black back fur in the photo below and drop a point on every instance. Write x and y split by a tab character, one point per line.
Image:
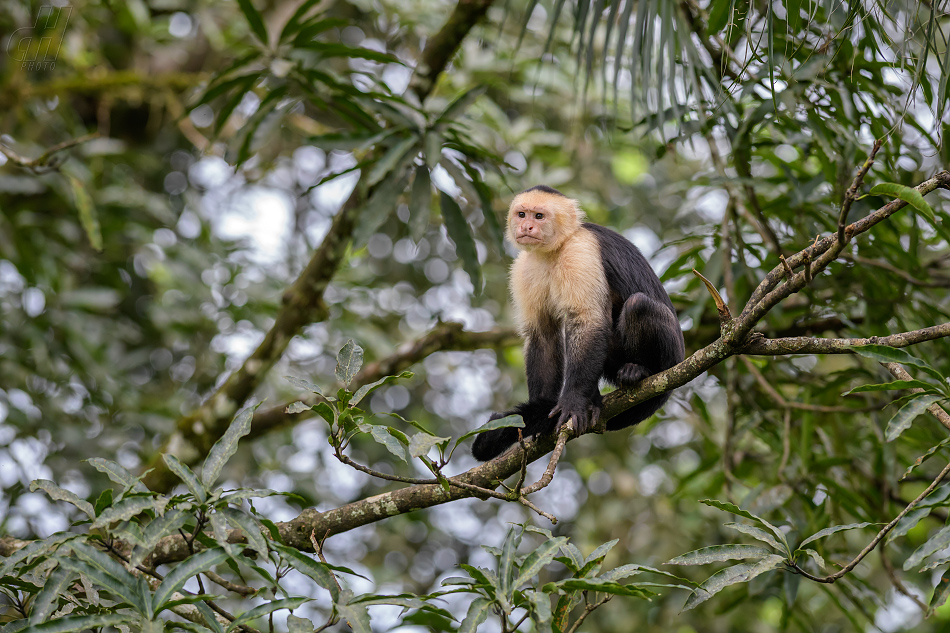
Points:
644	339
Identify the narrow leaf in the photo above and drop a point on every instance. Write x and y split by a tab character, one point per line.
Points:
382	435
718	553
87	212
734	509
46	601
187	475
743	572
183	571
254	19
887	386
80	623
365	390
908	194
908	413
536	560
420	202
885	354
266	608
478	612
226	446
315	570
303	384
756	533
937	542
833	530
61	494
117	473
124	510
941	591
461	235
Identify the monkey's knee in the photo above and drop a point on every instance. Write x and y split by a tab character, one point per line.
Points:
630	374
650	333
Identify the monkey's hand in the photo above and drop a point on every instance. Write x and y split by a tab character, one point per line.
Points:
585	412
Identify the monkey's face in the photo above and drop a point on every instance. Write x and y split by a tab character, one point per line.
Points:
542	221
531	228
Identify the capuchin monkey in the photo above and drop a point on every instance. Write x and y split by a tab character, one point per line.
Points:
588	307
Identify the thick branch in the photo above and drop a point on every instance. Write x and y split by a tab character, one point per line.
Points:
303	302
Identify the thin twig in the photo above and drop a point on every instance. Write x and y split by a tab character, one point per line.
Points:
563	435
588	609
725	316
243	590
788	269
42	163
851	195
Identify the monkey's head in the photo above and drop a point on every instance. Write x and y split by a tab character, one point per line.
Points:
542	218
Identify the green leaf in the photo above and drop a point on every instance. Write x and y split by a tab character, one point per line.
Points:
536	560
420	443
187	475
743	572
87	212
937	542
35	548
908	194
365	390
125	589
478	612
299	625
598	584
159	528
297	407
461	235
541	610
920	460
392	158
60	494
254	19
79	623
734	509
315	570
718	553
887	386
506	562
460	104
303	384
117	473
941	591
250	527
420	202
348	362
296	22
433	148
601	551
46	601
384	436
505	422
756	533
266	608
885	354
182	572
124	510
815	556
908	413
834	529
226	446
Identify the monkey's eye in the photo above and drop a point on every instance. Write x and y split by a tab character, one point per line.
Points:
539	216
520	214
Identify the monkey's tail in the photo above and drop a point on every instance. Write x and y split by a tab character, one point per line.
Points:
637	413
491	444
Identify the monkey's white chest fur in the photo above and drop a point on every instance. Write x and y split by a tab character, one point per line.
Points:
568	283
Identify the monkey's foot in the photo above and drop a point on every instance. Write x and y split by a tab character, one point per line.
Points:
630	374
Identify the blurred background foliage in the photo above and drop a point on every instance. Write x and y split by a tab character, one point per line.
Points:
714	135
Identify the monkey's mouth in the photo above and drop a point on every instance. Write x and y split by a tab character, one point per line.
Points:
527	239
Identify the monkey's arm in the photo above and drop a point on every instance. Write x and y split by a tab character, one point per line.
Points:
587	344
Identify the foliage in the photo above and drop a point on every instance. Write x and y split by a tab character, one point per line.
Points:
721	136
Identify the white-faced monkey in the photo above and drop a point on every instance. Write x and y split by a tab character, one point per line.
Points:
589	307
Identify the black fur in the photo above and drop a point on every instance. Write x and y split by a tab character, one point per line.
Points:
545	189
644	339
